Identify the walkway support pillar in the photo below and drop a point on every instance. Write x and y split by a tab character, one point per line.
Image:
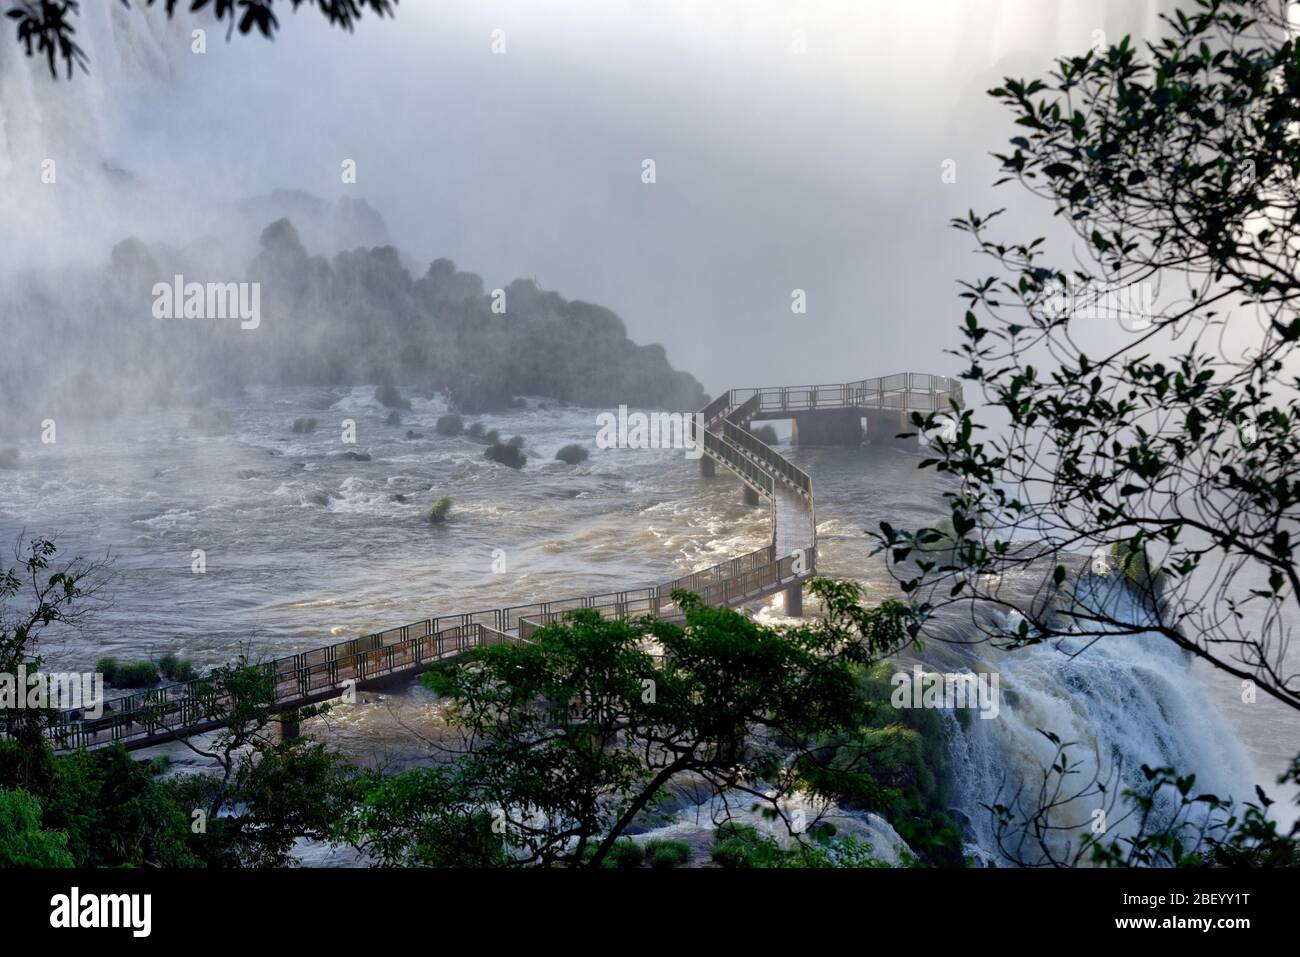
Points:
707	468
751	497
884	425
794	600
289	729
827	427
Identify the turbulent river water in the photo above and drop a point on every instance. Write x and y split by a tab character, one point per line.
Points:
305	545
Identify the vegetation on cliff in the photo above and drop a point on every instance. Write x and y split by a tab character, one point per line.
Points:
359	318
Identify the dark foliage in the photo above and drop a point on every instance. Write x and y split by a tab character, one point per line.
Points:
46	28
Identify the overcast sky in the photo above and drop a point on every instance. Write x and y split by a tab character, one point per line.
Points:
776	170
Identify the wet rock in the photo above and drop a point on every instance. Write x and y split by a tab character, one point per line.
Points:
572	454
450	425
390	398
506	455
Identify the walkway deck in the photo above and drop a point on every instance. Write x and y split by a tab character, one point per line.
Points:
181	710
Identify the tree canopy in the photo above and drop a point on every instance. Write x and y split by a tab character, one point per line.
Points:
568	738
47	28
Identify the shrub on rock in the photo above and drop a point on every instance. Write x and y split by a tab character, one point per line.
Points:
108	667
140	674
176	669
439	511
625	853
664	853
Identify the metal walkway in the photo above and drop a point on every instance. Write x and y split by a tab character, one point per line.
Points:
192	707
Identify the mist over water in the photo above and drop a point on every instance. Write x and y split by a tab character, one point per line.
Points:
305	544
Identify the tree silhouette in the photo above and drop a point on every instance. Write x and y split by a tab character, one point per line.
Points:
46	27
1145	480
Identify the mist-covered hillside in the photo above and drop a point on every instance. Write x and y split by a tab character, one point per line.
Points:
89	341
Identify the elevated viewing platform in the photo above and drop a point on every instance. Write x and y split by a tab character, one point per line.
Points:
835	414
832	413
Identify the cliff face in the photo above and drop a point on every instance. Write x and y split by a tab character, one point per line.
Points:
328	228
85	341
362	317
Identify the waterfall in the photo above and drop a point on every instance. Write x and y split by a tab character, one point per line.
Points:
1121	702
62	195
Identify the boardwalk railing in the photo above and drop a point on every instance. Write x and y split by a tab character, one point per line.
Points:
190	707
906	391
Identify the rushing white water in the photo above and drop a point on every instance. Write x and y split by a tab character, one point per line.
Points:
303	541
1119	705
